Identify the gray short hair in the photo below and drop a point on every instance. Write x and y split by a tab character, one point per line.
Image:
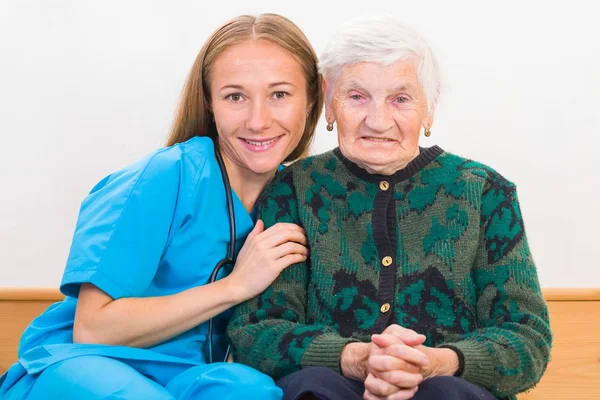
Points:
384	40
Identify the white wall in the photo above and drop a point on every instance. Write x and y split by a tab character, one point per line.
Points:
87	87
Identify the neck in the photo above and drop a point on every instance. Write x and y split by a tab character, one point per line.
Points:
248	185
391	169
413	167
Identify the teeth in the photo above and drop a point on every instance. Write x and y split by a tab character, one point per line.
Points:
376	139
253	143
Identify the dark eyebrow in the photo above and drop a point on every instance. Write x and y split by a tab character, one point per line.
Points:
237	87
271	85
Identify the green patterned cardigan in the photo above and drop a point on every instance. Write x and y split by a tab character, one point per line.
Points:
438	247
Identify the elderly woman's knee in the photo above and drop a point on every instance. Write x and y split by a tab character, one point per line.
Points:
451	388
310	377
320	383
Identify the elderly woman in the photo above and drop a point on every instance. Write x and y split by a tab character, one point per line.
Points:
420	276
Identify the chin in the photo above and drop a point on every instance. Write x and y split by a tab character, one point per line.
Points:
263	168
266	161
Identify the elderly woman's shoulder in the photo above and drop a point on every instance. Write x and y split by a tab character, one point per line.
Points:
323	161
470	170
287	179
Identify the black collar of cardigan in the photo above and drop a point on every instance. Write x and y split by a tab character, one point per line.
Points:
426	155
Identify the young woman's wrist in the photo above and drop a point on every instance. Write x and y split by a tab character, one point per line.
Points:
232	289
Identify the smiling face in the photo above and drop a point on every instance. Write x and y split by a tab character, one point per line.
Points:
260	105
379	111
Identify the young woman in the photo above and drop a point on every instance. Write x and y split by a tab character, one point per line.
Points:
134	324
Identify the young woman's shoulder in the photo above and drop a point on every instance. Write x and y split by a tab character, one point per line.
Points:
165	166
128	218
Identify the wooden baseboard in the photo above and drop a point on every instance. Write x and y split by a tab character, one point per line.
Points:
572	294
30	294
573	372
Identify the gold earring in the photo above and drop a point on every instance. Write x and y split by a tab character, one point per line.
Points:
427	132
329	126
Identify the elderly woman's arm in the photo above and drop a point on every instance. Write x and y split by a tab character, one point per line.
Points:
510	350
270	332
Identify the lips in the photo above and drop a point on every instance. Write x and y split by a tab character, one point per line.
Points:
257	145
377	139
260	143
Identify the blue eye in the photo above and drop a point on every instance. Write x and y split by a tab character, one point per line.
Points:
356	97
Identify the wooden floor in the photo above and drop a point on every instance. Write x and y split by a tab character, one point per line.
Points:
573	373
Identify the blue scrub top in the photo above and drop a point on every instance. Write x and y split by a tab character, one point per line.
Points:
155	228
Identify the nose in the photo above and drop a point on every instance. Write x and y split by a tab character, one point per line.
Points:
379	118
260	117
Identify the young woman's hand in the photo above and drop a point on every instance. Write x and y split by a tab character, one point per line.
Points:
264	255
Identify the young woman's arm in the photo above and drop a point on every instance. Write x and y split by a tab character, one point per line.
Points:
144	322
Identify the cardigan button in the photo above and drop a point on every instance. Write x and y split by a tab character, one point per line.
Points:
387	261
384	185
385	307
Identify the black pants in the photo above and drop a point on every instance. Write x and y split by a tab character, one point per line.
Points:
326	384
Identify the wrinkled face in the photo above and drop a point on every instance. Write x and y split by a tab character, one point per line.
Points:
379	111
259	102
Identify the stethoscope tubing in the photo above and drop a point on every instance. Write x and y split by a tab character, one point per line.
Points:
230	258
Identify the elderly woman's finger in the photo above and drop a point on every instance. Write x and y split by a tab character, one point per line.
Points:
385	339
408	336
379	387
370	396
401	379
402	394
406	353
384	363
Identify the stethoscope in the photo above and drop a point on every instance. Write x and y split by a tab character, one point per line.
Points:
230	258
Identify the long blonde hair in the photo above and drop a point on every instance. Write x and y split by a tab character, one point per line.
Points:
194	116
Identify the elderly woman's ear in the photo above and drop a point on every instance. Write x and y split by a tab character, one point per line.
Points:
329	114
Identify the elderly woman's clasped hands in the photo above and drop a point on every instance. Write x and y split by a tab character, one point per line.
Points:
395	362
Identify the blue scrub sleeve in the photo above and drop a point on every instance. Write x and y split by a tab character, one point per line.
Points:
123	229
